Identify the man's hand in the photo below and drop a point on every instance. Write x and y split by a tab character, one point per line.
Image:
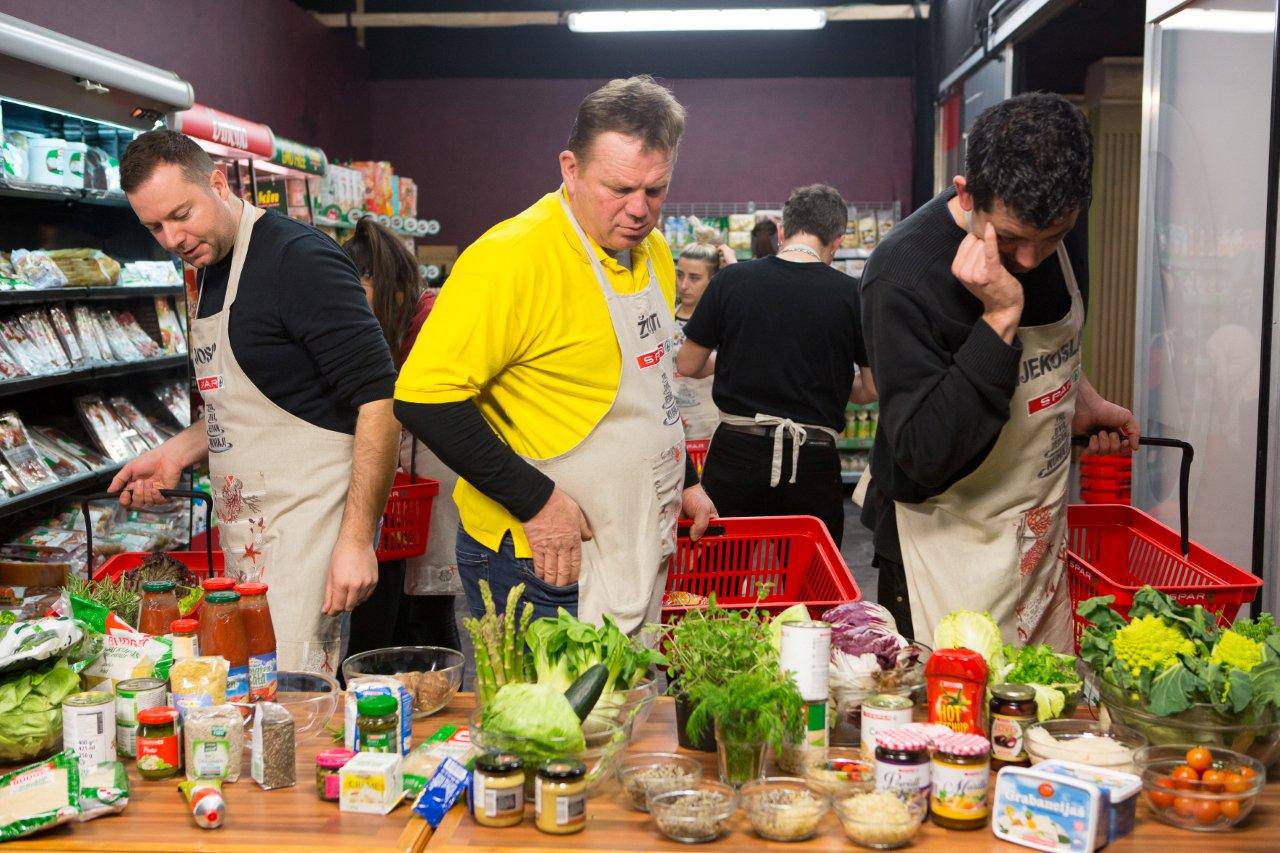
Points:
555	536
696	504
1111	428
140	482
977	265
353	573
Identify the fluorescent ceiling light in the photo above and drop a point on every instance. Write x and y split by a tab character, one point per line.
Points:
667	20
1221	21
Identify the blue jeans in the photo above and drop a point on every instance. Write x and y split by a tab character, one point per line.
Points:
503	570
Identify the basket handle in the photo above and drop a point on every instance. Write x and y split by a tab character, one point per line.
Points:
712	529
1184	477
168	493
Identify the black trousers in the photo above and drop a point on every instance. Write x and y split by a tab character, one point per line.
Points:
736	477
391	618
891	593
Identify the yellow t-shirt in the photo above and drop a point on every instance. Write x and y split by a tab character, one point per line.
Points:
522	328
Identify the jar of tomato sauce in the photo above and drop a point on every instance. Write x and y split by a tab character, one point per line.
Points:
218	583
256	616
159	607
222	633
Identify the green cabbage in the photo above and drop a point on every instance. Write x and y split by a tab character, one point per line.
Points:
968	629
531	720
30	709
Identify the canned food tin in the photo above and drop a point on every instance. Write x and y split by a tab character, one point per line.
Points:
806	653
880	712
88	726
132	696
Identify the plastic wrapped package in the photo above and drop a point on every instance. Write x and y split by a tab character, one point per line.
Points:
40	332
92	338
21	455
86	267
18	344
10	485
143	342
67	335
90	459
38	268
173	397
118	342
9	277
119	442
130	414
14	156
172	339
10	368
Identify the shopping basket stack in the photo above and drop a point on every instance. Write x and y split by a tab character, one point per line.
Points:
1115	549
793	559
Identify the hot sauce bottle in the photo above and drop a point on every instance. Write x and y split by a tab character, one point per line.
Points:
956	681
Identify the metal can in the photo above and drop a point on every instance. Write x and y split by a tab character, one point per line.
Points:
880	712
88	726
132	696
806	654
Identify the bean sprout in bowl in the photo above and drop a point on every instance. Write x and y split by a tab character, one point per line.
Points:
311	698
431	674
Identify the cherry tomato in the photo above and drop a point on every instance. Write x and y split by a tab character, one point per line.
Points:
1248	774
1184	806
1185	778
1230	809
1206	811
1214	780
1235	783
1159	799
1199	759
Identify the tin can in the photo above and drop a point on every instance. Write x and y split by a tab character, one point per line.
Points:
806	654
88	727
132	696
880	712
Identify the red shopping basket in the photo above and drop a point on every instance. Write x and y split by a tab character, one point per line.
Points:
794	553
697	450
1115	549
201	563
406	522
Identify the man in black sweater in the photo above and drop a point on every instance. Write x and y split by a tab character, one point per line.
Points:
786	334
972	316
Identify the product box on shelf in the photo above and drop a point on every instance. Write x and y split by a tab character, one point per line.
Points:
378	195
408	197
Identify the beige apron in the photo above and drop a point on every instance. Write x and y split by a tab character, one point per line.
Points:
628	473
279	484
993	541
436	571
698	411
782	427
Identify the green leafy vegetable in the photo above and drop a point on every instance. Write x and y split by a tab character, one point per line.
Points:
30	701
565	647
537	717
711	645
1258	629
751	708
968	629
1172	690
1053	676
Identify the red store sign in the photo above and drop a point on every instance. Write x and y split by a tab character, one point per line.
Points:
232	131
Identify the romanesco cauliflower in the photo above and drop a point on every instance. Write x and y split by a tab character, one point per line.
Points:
1148	642
1237	651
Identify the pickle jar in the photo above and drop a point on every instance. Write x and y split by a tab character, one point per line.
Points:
328	763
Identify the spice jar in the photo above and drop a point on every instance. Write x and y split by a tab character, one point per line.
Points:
159	607
902	761
328	763
378	721
961	776
560	803
186	644
1013	709
497	789
158	753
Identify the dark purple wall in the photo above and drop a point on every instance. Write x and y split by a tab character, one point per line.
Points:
263	60
483	149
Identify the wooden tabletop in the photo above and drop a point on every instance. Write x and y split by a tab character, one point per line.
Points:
295	819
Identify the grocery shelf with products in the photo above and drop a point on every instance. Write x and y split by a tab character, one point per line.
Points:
854	444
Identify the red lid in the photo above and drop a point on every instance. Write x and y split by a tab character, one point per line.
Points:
251	588
157	716
184	626
962	744
218	584
901	739
334	758
964	663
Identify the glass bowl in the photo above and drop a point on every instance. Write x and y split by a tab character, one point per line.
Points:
1084	742
311	698
606	740
840	773
695	814
629	707
431	674
881	820
1198	805
783	808
1258	737
643	773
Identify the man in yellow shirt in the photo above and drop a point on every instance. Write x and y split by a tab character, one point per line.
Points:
544	377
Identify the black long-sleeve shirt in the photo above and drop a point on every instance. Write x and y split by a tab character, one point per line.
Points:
301	327
944	377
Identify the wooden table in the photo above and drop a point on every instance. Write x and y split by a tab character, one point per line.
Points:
295	819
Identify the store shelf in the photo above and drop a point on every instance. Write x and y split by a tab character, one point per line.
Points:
10	387
850	477
854	443
48	192
89	482
34	295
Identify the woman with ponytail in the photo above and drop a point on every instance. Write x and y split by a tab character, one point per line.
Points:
413	604
698	262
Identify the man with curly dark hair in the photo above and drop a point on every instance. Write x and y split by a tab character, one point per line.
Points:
973	310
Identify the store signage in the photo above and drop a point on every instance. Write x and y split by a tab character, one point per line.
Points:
273	195
214	126
295	155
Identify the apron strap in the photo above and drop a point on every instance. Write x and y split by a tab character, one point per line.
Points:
799	435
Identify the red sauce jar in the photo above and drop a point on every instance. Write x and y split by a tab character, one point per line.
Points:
956	681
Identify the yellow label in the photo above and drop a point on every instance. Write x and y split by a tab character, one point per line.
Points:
960	791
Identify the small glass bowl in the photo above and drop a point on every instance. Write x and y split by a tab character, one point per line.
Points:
841	773
696	814
1196	805
1074	737
431	674
872	829
311	697
641	774
783	808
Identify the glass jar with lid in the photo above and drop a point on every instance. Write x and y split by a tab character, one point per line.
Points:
497	789
1013	709
157	744
961	777
159	607
378	724
328	763
902	761
560	802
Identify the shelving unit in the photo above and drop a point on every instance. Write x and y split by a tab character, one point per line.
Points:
849	446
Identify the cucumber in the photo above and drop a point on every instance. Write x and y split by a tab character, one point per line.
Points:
585	692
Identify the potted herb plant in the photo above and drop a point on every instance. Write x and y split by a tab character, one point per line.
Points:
706	649
750	711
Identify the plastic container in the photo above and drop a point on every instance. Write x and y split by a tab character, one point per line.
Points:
406	522
795	554
74	176
1194	805
1119	792
1045	811
47	161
